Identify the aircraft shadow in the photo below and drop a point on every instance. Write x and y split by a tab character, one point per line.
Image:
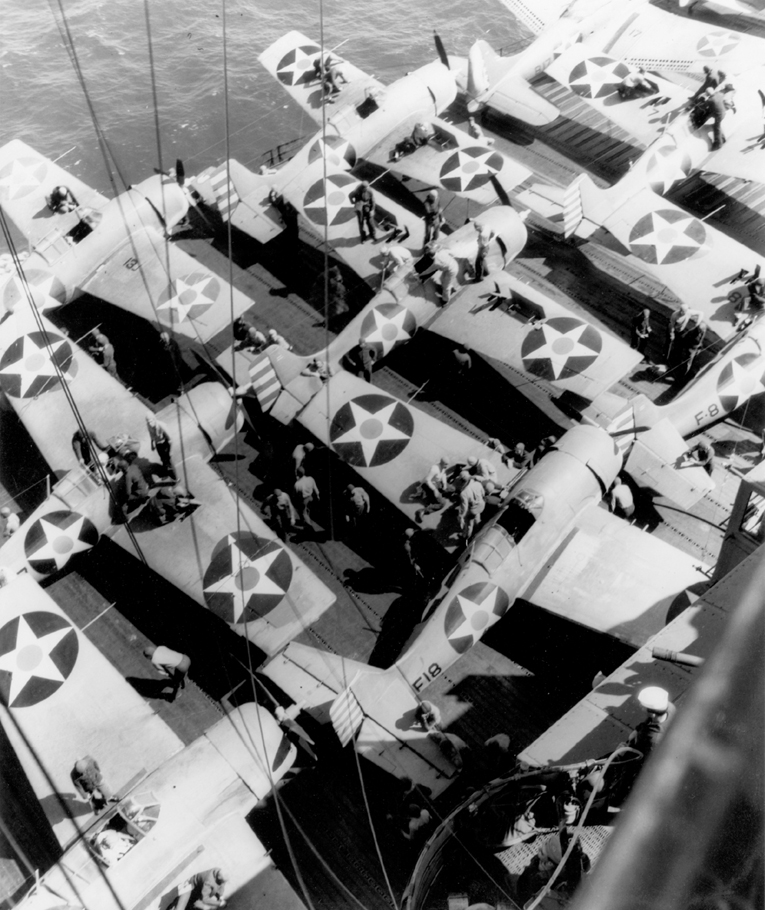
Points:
72	807
396	627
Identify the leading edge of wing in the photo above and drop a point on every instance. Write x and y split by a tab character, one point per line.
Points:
505	319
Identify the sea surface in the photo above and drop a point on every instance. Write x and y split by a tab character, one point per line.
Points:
173	78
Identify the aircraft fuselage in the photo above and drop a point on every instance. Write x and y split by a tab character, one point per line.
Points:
507	554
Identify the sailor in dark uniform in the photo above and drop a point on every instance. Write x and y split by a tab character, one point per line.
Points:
61	200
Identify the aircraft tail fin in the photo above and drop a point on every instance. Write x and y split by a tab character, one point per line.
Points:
489	80
283	382
241	197
375	709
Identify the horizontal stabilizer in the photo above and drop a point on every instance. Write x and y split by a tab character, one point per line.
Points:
516	98
653	462
242	198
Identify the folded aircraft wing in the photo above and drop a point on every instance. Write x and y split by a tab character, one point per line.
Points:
292	59
694	260
453	161
589	580
391	445
538	338
657	40
27	178
595	77
61	699
223	555
156	280
319	193
226	558
538	14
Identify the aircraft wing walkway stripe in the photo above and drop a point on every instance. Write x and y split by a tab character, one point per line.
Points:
346	715
226	195
265	383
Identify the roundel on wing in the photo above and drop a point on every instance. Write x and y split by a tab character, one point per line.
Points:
667	236
47	291
371	430
297	65
597	77
247	578
560	348
470	168
738	381
472	612
32	364
386	326
666	166
328	202
22	176
335	149
54	538
717	44
188	297
38	651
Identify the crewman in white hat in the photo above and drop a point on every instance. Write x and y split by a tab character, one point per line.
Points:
660	711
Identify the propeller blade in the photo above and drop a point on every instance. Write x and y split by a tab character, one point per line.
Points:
180	172
441	49
500	191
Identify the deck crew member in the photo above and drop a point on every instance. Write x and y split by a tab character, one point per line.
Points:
282	511
102	351
86	446
275	338
485	238
620	500
475	132
367	356
693	341
493	443
716	105
318	368
641	330
434	217
173	665
137	490
659	712
422	134
364	203
701	454
462	359
543	448
428	716
636	83
712	79
482	468
434	489
89	783
307	495
413	550
203	891
472	503
357	506
61	200
395	256
521	458
447	265
679	323
160	443
300	453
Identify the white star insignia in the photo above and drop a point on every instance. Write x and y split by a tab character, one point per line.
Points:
595	77
60	543
302	60
187	296
35	363
744	380
248	577
717	43
668	238
478	617
23	177
667	166
559	347
31	658
371	428
46	290
389	330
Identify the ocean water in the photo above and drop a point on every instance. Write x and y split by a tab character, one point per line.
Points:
155	75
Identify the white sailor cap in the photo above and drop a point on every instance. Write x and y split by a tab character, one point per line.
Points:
654	699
